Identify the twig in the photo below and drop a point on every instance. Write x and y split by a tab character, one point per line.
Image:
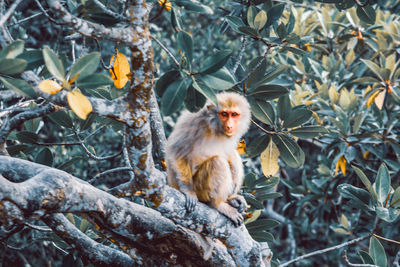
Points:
45	12
39	228
237	63
101	59
109	12
90	154
387	239
360	4
108	172
262	129
397	259
25	19
9	12
317	252
356	264
126	155
166	50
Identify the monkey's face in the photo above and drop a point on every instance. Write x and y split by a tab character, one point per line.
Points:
229	120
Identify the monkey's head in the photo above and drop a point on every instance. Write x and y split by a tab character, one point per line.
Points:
232	116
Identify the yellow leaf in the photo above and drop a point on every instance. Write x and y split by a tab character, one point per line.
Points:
241	147
372	97
380	99
79	104
50	87
120	70
269	159
344	222
341	163
365	155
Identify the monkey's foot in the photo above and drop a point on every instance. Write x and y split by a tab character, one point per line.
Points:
191	202
231	213
238	202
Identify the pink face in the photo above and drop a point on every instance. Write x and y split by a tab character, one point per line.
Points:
230	120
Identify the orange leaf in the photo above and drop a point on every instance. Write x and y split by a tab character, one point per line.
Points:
241	147
50	87
341	163
166	4
120	70
79	104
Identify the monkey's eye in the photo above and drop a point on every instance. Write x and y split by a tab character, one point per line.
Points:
235	114
224	114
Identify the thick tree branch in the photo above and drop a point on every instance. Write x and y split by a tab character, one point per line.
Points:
97	253
52	191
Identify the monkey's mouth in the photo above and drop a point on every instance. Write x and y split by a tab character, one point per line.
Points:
229	134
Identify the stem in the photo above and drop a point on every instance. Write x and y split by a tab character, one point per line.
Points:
317	252
386	239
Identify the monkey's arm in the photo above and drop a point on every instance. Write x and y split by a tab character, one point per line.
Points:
183	178
236	166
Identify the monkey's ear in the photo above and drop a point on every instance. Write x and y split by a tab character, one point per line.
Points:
210	106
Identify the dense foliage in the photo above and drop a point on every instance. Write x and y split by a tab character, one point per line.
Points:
322	77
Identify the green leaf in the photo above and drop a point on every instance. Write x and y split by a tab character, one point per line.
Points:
257	146
234	22
215	62
10	66
382	184
61	118
377	252
373	67
262	224
389	215
19	86
364	179
289	150
256	74
266	196
194	100
274	13
297	117
194	6
271	181
263	111
359	197
206	91
249	31
220	80
366	14
273	74
175	19
165	80
251	12
14	150
185	43
365	257
27	137
252	201
33	57
308	131
395	202
53	64
85	66
174	95
262	236
94	81
283	107
268	91
44	157
12	50
68	163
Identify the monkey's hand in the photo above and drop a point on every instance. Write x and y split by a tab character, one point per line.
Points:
191	201
238	202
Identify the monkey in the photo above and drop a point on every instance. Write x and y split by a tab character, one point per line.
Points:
202	160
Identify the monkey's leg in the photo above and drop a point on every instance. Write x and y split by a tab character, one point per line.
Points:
218	187
238	202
